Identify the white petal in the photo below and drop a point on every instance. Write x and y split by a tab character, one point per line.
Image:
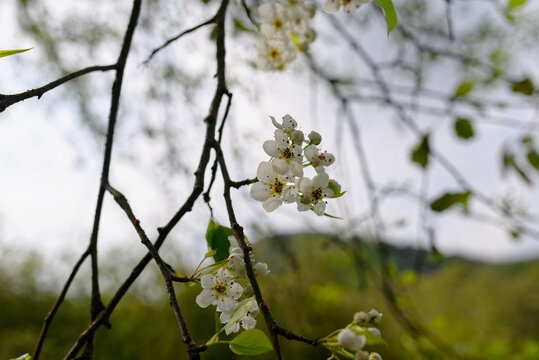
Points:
305	185
329	159
271	148
280	166
205	298
296	169
265	172
259	191
331	6
272	203
207	281
224	276
319	208
226	303
225	317
233	329
281	138
350	341
289	123
311	152
375	331
321	180
235	290
303	207
275	123
248	322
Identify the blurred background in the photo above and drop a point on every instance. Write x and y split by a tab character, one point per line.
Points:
435	125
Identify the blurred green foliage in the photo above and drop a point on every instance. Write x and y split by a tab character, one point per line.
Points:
484	311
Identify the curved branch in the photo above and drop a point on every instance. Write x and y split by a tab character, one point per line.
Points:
8	100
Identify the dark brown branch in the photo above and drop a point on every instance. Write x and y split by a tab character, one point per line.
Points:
171	40
56	306
198	187
192	349
8	100
96	303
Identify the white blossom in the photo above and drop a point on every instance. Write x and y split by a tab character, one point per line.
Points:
274	53
362	355
247	322
261	269
375	331
316	191
269	188
361	318
350	340
375	356
220	290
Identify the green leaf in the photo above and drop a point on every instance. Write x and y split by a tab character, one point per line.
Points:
371	338
217	239
463	128
420	154
525	87
336	191
239	313
12	52
251	342
448	200
238	25
533	159
389	13
23	357
512	4
463	89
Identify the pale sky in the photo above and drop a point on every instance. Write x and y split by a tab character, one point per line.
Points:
51	165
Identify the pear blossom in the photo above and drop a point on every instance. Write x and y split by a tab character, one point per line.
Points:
333	6
351	341
270	187
247	322
375	356
315	137
274	53
261	269
317	159
287	158
274	20
314	192
220	290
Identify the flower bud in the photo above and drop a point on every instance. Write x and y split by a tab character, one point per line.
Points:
361	318
375	331
289	123
315	137
362	355
375	316
375	356
248	291
350	340
262	269
297	137
328	159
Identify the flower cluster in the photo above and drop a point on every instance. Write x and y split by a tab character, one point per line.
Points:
281	179
354	337
222	290
333	6
285	30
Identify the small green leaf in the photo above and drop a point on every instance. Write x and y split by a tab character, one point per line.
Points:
533	159
12	52
251	342
239	313
295	39
217	239
463	89
512	4
525	87
23	357
463	128
420	154
238	25
448	200
515	234
389	13
336	191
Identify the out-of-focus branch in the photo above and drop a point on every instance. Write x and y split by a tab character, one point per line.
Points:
174	38
8	100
